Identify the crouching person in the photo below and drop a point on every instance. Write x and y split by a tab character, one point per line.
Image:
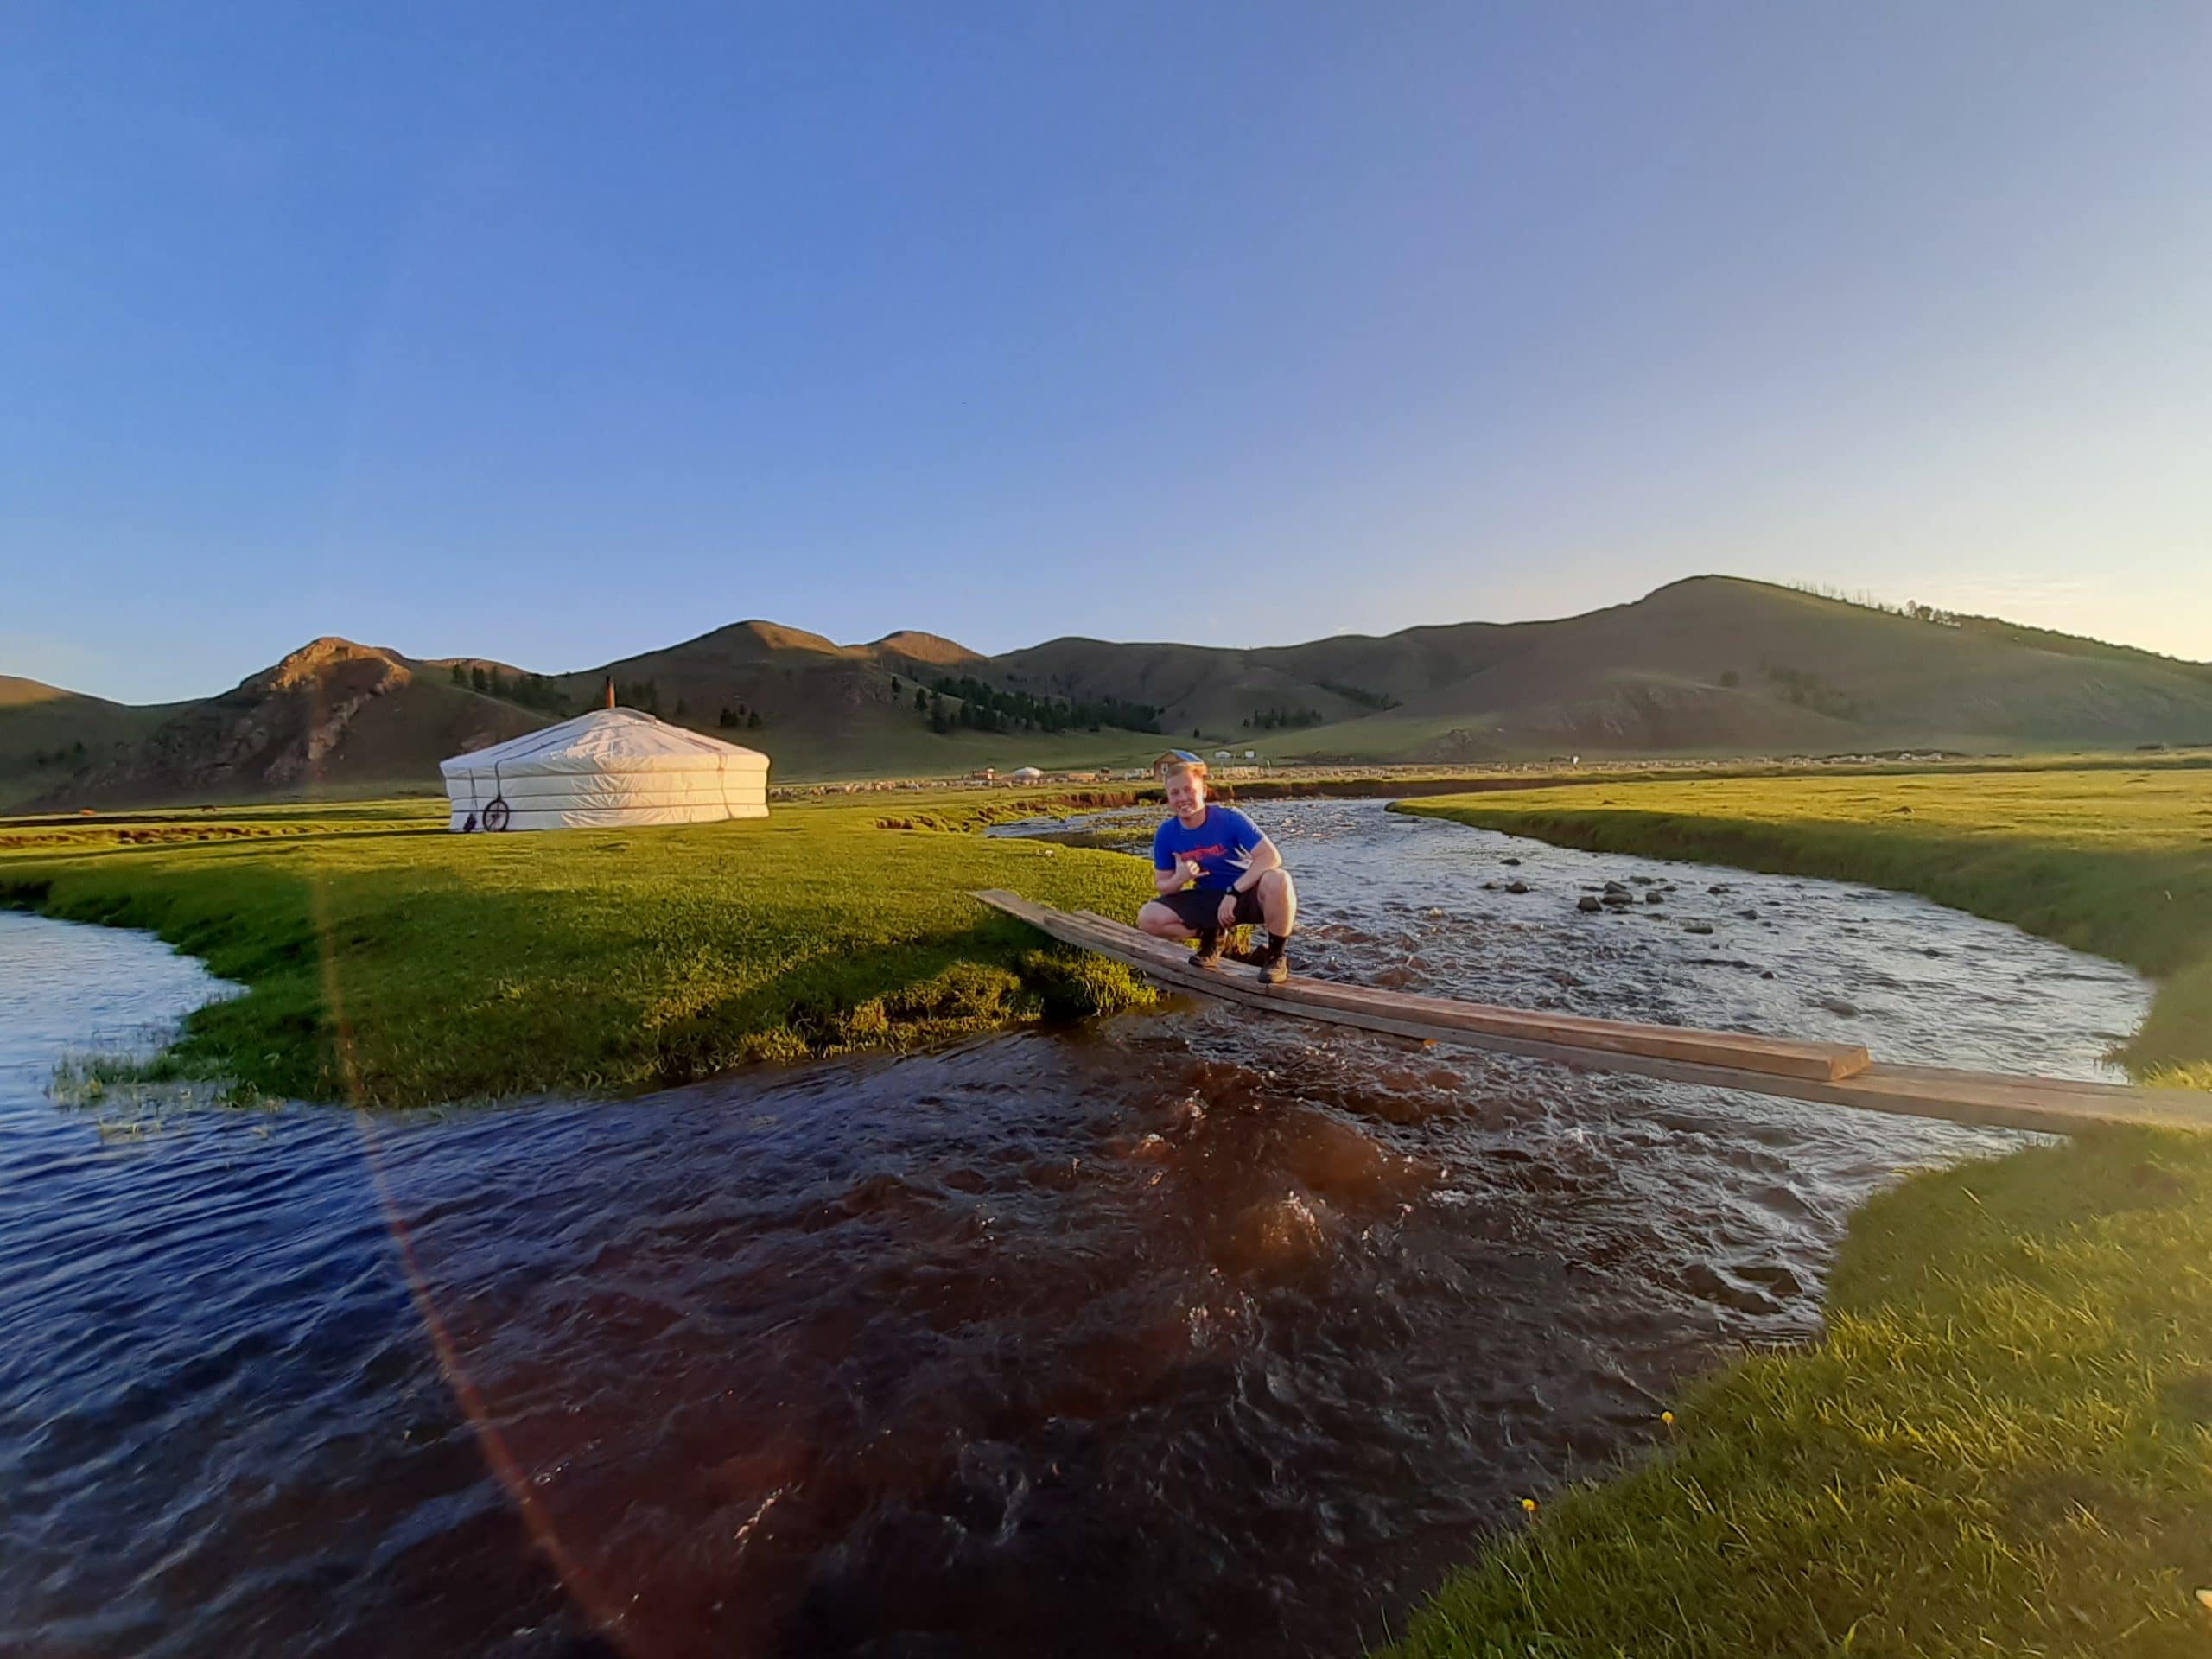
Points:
1215	871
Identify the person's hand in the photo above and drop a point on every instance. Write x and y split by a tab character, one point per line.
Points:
1228	912
1189	870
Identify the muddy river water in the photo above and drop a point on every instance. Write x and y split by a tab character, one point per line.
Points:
1175	1333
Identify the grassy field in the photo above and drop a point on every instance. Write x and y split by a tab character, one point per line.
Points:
2003	1444
390	962
2116	861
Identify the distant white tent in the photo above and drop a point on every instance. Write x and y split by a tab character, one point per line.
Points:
610	767
1027	774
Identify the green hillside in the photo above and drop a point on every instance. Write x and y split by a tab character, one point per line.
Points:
48	733
1712	664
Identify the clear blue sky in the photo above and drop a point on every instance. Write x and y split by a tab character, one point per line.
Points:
556	332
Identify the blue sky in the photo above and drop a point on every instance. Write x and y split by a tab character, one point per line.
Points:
555	332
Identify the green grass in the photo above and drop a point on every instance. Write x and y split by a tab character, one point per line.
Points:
2003	1444
390	962
2115	860
893	752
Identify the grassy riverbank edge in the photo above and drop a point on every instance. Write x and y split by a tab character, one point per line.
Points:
2077	875
2001	1444
2002	1441
388	962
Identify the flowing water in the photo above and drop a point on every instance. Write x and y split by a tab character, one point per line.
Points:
1183	1334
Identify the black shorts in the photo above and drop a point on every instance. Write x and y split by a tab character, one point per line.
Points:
1200	911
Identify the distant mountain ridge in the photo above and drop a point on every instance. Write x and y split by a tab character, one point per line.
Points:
1711	664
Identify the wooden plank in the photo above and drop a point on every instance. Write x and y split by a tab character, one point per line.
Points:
1953	1079
1784	1057
2053	1105
1729	1048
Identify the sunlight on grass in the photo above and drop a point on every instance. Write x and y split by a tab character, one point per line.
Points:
390	962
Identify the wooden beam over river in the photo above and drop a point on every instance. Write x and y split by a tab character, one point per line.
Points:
1838	1073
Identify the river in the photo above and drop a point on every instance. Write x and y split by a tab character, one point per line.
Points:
1175	1333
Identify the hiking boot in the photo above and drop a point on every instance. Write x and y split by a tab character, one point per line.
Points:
1274	968
1208	955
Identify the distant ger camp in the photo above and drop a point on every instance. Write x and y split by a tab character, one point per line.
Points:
609	768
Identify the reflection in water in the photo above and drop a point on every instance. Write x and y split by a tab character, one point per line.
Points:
1179	1334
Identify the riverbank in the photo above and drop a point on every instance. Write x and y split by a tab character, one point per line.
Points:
389	961
2001	1443
1999	1446
2115	862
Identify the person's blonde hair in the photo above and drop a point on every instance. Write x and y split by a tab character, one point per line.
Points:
1178	768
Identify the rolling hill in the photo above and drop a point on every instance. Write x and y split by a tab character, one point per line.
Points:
48	735
1712	664
1708	664
331	716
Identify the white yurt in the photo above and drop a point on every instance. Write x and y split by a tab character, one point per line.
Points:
610	767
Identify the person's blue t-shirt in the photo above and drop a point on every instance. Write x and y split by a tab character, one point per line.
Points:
1223	846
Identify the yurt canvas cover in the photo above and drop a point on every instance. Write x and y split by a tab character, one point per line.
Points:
610	767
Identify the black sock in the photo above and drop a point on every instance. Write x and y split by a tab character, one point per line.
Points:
1276	942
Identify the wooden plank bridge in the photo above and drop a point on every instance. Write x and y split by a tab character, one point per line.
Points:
1841	1074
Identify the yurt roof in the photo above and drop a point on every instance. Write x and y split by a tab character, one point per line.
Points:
606	739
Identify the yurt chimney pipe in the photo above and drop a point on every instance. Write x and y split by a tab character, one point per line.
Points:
610	690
